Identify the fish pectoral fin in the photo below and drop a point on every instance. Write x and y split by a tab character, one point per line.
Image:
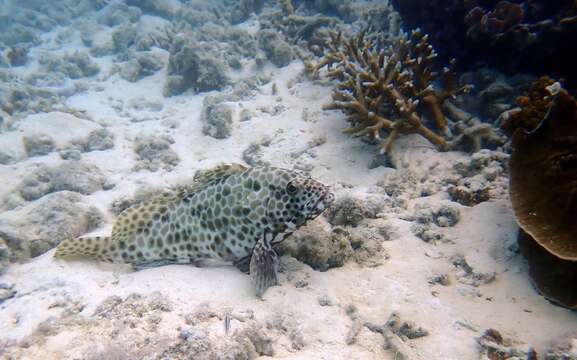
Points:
263	267
243	264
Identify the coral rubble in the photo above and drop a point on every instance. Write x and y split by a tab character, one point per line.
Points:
391	89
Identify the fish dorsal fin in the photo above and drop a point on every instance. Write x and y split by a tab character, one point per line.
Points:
207	177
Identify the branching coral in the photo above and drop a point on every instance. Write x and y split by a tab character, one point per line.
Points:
388	89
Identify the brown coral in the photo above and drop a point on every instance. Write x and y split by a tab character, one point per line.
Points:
555	279
533	107
544	178
388	89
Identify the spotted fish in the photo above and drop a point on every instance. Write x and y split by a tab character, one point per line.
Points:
232	213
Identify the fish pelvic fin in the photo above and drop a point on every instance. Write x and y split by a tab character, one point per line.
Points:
263	266
85	247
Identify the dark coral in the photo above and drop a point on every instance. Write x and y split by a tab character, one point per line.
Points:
514	36
543	183
533	106
389	88
543	190
554	278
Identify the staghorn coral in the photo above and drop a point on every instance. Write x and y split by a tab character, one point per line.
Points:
388	89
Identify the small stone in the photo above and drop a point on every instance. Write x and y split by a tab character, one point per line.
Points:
70	154
6	292
38	145
324	300
299	284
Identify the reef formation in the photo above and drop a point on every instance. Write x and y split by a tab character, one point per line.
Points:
514	36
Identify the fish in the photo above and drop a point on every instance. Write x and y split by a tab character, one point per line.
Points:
231	212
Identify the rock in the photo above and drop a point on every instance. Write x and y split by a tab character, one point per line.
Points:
38	145
468	276
427	233
216	118
318	246
253	154
154	152
43	224
194	66
51	124
564	348
246	115
497	91
241	10
479	178
141	67
163	8
278	51
442	215
495	346
97	140
6	292
118	13
76	65
70	154
74	176
324	300
17	55
124	37
348	211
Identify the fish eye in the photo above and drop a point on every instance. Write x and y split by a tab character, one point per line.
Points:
291	189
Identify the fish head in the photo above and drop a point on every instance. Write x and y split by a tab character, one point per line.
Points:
298	198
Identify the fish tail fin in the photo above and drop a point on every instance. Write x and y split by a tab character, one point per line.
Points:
86	247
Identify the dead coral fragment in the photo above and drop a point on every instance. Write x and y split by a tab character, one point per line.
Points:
388	89
495	347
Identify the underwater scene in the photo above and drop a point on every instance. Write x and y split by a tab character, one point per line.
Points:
288	179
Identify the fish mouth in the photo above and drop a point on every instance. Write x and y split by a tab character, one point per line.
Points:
321	204
313	210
